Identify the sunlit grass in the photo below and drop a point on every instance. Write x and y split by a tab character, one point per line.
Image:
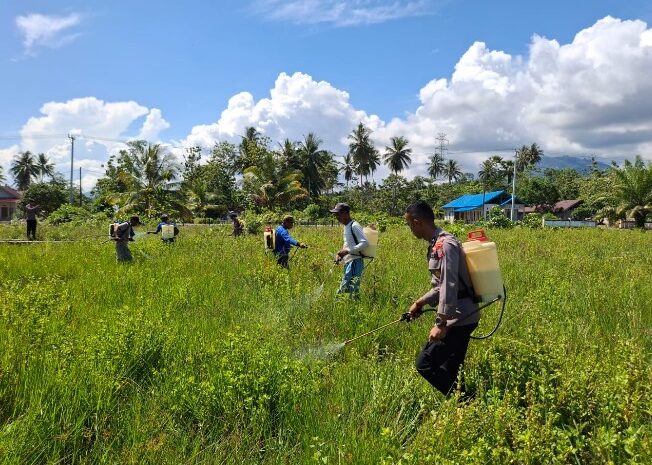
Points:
203	352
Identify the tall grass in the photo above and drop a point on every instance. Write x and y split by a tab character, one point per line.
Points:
195	355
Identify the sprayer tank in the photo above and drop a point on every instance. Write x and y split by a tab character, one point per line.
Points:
482	262
371	233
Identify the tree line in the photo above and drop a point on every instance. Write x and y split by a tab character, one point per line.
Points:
258	175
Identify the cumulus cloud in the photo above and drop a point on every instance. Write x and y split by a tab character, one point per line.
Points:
297	105
46	31
153	125
98	126
6	155
592	96
340	12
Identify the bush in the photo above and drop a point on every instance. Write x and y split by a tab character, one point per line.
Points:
497	219
67	213
312	212
532	221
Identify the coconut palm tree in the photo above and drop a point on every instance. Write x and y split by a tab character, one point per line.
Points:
397	155
528	157
24	169
289	156
489	173
45	167
634	189
274	192
374	163
313	162
507	170
252	149
150	171
2	176
452	171
348	169
436	166
362	150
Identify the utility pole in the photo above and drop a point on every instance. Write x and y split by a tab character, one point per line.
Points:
511	216
80	188
72	156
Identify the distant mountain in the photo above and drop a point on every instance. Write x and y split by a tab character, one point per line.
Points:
581	165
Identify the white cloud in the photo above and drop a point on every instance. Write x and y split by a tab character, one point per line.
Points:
153	125
297	105
46	31
98	125
592	96
340	12
6	155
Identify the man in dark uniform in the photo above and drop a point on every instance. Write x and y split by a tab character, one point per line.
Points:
452	293
238	227
30	215
124	233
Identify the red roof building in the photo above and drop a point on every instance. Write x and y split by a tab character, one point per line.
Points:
8	202
562	209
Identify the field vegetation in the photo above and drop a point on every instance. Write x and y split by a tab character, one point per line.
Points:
206	352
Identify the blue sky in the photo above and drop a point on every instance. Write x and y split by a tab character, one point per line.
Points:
378	61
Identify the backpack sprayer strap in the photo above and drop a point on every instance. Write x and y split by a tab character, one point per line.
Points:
407	317
355	239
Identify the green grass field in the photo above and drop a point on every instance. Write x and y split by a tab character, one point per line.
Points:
206	352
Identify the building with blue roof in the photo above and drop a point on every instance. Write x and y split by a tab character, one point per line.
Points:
472	207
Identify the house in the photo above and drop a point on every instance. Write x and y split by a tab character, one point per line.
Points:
562	209
8	201
471	207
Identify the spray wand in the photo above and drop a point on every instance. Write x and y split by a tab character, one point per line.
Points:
407	317
404	317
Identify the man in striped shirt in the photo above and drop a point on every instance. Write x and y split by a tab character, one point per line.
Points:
352	251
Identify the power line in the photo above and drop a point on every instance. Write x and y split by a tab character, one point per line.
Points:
32	136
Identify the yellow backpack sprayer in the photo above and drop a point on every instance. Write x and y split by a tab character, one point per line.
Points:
269	236
482	262
167	232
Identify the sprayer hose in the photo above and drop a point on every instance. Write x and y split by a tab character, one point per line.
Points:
500	318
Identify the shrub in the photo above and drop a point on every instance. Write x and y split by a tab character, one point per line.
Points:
497	219
532	221
67	213
312	212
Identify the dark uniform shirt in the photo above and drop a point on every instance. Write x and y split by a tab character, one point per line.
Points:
30	213
124	232
452	291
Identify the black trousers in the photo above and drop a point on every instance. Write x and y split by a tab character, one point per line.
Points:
31	229
283	260
440	361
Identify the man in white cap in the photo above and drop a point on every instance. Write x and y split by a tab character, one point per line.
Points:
354	244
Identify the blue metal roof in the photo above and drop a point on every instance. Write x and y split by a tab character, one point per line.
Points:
465	209
472	201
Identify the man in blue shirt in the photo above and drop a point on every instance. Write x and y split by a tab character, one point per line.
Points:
283	242
167	228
